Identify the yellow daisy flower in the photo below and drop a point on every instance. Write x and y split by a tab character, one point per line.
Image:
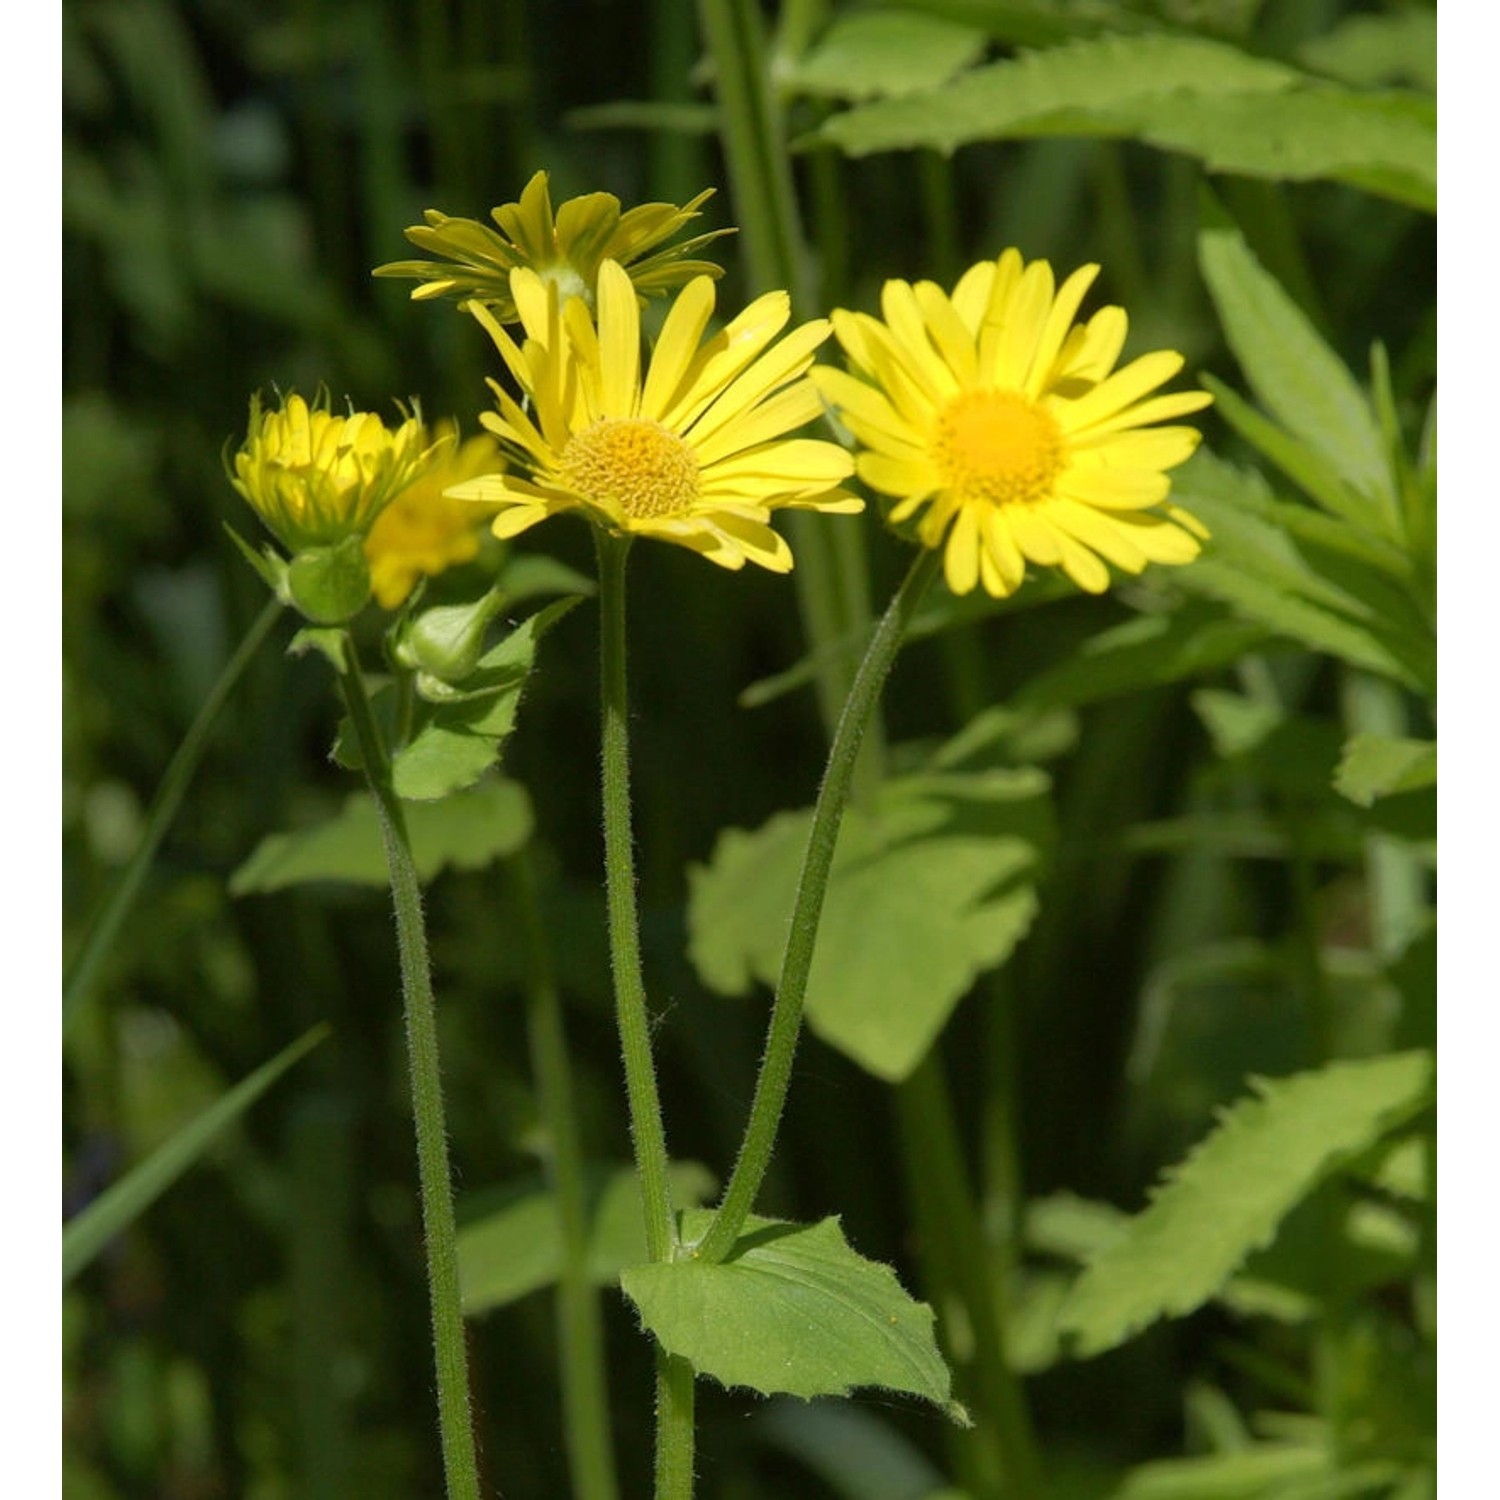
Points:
692	450
1006	424
567	248
422	530
316	479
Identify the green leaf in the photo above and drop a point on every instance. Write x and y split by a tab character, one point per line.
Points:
1399	47
1146	652
1247	1474
1383	143
1074	89
867	54
931	887
792	1310
1251	563
453	744
517	1249
1228	1196
670	116
1375	766
88	1232
467	831
1297	377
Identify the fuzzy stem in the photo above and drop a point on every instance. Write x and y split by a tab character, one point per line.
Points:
460	1461
786	1013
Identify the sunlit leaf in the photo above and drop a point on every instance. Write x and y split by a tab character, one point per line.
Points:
931	887
792	1310
517	1248
1377	765
867	54
1227	1198
1296	376
466	831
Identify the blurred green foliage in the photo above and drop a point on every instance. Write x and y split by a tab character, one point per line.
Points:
1214	905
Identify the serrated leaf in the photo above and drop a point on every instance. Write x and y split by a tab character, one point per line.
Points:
869	54
792	1310
1228	1196
88	1232
1296	376
1377	765
931	887
1073	89
1253	564
468	830
453	744
516	1249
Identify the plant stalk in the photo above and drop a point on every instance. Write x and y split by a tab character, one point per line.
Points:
786	1012
674	1380
455	1422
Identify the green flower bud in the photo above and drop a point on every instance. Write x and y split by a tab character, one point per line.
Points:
330	585
446	642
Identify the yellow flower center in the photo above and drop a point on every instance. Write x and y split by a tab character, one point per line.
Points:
634	465
998	446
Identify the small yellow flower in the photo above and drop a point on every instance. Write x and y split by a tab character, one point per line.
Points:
567	248
694	450
1007	426
422	530
316	479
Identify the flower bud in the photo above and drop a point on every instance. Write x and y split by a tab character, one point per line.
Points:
446	642
330	585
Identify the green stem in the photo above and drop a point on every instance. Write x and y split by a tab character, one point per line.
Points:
1002	1446
105	925
460	1464
674	1377
674	1427
646	1130
786	1013
832	577
591	1458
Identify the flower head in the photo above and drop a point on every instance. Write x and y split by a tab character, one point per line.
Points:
566	248
1006	425
694	450
422	530
316	479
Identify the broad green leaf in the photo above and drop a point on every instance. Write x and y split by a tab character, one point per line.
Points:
792	1310
1228	1196
1296	376
526	575
931	887
88	1232
866	54
1074	89
1376	765
468	830
1147	652
516	1249
453	744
